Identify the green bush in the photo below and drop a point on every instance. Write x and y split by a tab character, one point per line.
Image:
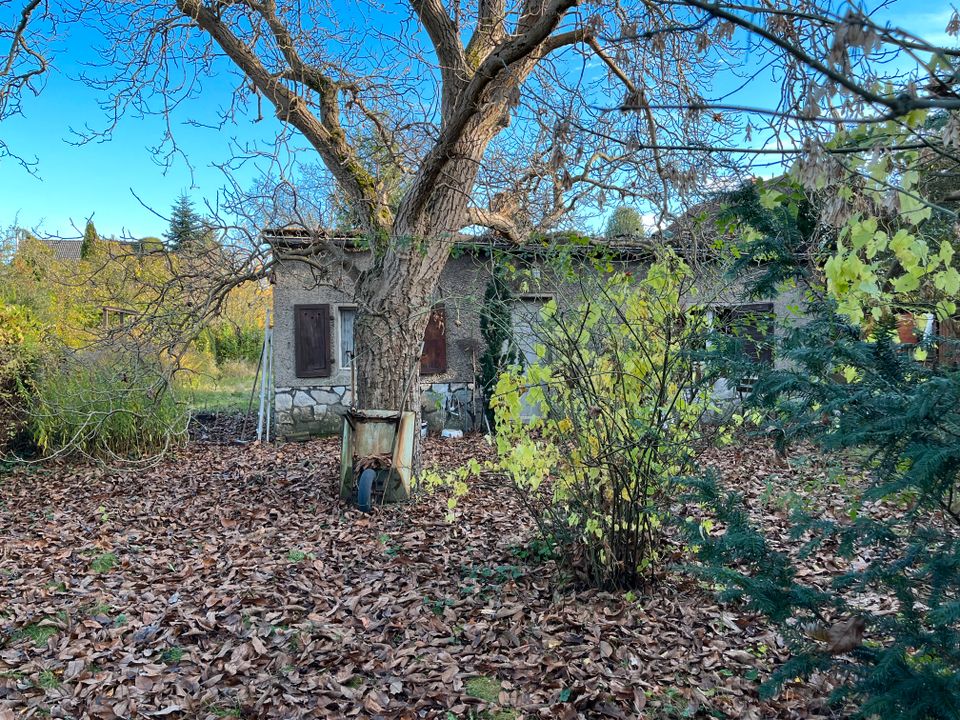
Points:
231	343
115	406
594	434
19	352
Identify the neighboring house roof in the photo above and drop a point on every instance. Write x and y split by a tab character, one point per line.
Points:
64	249
70	249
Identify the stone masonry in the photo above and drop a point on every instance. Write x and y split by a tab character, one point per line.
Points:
304	412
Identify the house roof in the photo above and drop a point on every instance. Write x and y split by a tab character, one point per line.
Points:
64	249
298	237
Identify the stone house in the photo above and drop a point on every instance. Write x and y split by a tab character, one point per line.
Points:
313	331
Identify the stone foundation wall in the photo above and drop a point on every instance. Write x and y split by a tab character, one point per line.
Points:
305	412
450	405
301	413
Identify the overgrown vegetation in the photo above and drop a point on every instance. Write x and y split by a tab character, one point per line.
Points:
228	342
101	355
104	406
19	350
887	630
594	433
496	328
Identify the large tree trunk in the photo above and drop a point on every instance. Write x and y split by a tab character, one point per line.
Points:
393	311
395	296
391	319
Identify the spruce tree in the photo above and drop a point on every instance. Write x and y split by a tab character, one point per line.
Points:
90	237
187	228
865	396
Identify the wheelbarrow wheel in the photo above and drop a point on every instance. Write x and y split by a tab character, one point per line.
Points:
365	489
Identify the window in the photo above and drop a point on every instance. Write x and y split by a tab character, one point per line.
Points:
348	316
752	325
433	361
526	315
312	340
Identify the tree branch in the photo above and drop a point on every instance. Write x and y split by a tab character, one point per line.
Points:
469	101
495	221
329	140
445	37
897	105
490	31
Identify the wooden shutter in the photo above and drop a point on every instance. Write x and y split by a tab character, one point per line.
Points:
949	333
434	358
312	340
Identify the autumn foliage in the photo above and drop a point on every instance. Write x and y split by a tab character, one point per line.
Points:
594	434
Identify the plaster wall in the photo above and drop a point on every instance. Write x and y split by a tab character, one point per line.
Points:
306	407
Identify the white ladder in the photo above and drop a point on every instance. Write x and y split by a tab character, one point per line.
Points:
266	382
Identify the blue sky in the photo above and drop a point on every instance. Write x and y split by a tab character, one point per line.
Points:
71	181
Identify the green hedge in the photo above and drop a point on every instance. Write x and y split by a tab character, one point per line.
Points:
227	343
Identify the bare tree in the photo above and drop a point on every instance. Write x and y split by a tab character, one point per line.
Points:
453	95
510	116
24	62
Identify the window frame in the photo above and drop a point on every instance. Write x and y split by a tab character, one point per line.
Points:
340	308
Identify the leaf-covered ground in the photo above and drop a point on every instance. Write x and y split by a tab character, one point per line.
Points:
229	581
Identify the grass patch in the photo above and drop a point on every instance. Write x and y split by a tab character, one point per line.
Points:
48	680
98	609
37	634
483	688
225	710
225	389
103	562
171	656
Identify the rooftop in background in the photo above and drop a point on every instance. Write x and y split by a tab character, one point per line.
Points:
64	249
71	249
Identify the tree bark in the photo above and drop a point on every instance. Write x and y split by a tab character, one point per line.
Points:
396	295
388	334
393	308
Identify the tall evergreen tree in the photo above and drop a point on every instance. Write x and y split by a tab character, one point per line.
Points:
89	238
864	395
187	227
